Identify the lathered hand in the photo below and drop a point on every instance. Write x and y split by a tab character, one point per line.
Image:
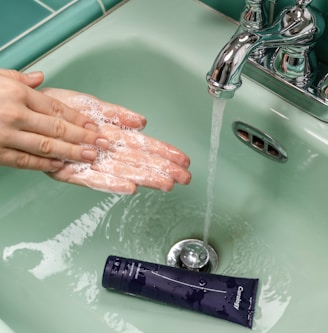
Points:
131	158
37	131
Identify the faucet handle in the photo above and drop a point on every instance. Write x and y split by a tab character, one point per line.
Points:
303	3
252	17
297	64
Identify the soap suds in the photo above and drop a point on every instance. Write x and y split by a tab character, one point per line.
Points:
106	117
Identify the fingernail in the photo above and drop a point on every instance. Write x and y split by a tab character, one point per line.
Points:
91	126
89	154
103	143
187	162
34	75
186	179
57	164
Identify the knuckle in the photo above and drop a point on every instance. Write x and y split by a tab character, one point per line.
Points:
16	89
15	75
57	108
11	115
59	128
22	161
45	146
11	74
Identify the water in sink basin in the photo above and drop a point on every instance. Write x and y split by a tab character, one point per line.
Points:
144	226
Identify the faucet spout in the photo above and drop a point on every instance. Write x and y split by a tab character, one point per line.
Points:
224	78
297	27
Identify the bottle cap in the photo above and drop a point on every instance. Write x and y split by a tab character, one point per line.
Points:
113	273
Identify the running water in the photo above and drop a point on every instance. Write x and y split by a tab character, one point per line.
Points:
217	115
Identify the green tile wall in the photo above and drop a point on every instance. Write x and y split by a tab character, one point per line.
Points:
29	28
233	8
108	4
55	4
18	8
22	16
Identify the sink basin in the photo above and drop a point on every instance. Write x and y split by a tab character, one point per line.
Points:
269	219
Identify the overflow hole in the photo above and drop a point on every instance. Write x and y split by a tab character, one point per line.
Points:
272	151
243	135
257	142
260	141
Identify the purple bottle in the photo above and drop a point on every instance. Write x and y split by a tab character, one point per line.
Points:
224	297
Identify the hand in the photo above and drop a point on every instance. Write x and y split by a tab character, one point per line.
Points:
39	132
130	159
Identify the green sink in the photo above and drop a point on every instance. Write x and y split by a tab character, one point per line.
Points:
269	218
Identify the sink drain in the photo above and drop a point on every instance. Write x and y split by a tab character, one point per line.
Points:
192	254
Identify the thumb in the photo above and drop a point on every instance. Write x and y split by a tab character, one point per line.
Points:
32	79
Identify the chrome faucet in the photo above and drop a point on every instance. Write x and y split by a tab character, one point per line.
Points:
284	50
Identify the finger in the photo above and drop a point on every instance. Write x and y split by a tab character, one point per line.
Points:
141	176
44	104
40	145
122	117
22	160
140	159
136	140
100	111
61	129
32	79
94	179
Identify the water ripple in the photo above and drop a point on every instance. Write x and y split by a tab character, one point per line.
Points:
56	253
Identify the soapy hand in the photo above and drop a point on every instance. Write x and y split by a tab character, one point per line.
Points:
130	159
40	132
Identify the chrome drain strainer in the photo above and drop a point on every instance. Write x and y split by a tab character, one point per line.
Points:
193	254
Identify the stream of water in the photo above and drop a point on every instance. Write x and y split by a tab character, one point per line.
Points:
217	116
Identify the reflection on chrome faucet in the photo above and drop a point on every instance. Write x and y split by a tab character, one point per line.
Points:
284	49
